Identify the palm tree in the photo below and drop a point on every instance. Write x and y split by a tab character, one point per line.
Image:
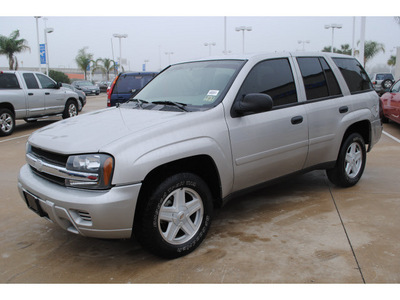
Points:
371	48
83	60
392	61
108	66
344	49
11	45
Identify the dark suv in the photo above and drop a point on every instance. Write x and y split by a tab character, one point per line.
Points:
127	84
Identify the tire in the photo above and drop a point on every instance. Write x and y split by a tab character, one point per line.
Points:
350	163
7	122
71	109
176	217
386	84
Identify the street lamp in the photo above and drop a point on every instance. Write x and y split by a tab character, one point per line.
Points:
38	45
46	31
333	26
209	47
120	36
243	29
169	56
304	42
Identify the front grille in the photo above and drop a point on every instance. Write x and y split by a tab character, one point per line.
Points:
49	157
52	178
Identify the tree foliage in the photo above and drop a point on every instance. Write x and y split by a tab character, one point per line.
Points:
392	61
344	49
83	60
59	76
11	45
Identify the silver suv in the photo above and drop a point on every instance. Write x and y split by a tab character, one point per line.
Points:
198	133
382	82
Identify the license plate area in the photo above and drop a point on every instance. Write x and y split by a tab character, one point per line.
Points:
33	204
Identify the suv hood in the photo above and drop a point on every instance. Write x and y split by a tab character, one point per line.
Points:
91	132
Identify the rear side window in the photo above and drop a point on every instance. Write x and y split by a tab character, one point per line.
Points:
273	77
354	74
31	81
126	83
319	80
8	81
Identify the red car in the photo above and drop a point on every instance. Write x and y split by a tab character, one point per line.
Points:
390	102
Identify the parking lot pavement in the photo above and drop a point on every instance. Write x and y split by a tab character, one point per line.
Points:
303	230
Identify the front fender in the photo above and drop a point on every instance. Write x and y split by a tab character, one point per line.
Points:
157	157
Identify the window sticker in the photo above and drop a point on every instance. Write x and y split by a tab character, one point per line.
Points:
213	93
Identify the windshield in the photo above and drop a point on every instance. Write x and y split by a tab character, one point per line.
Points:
196	84
84	83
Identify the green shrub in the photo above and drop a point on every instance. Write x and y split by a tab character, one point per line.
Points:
59	76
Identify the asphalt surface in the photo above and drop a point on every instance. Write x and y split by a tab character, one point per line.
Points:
300	231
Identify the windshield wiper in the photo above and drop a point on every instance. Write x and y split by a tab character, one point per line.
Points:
139	102
180	105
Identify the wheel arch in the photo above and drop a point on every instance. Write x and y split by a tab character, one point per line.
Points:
361	127
9	106
201	165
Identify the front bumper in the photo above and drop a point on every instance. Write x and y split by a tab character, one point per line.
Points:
99	214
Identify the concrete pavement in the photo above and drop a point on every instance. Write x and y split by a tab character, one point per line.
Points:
299	231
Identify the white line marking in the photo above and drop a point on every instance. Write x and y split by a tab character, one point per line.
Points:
391	136
14	138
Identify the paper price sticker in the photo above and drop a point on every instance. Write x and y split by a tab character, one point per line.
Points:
212	93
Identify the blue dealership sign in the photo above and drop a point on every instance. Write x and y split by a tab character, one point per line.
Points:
42	54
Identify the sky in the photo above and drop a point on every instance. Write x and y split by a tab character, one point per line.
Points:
158	28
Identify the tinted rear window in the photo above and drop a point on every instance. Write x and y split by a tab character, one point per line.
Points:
126	83
31	81
319	80
354	74
384	76
8	81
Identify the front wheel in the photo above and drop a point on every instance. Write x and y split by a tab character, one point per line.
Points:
350	163
7	122
71	109
176	216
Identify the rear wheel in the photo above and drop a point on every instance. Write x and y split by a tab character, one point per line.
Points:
7	122
176	217
350	163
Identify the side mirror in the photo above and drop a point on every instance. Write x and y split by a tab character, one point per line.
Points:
252	104
59	84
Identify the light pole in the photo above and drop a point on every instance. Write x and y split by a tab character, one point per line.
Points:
304	42
46	31
38	45
243	29
120	36
169	56
333	26
209	47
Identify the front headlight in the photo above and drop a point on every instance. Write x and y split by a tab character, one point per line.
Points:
90	171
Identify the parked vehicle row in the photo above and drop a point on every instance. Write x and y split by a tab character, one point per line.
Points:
87	87
196	135
32	95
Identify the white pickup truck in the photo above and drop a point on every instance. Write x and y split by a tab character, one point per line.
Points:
32	95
